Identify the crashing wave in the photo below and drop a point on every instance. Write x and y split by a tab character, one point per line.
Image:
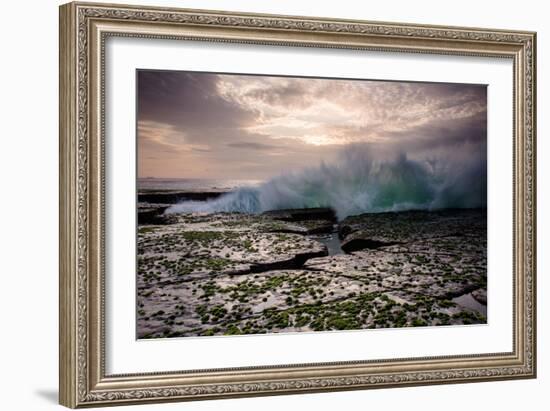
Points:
365	179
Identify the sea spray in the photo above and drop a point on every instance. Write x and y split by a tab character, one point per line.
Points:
365	179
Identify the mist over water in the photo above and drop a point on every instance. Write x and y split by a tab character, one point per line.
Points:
366	178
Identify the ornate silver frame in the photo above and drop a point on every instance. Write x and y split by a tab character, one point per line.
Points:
83	30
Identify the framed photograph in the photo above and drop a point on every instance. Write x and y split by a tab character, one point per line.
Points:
259	204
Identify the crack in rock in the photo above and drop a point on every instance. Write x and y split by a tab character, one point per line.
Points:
293	263
359	243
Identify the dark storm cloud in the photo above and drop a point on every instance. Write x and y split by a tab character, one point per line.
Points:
186	100
443	133
237	126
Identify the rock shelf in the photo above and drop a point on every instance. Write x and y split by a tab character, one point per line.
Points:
231	273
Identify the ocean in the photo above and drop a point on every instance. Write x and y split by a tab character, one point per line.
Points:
193	185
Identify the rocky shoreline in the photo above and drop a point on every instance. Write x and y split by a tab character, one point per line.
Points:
175	196
301	270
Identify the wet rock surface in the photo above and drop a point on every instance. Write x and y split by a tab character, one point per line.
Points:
229	273
153	214
173	197
303	214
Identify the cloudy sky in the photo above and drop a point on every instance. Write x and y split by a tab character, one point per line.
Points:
202	125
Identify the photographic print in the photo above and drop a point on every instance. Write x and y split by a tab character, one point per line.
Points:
277	204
